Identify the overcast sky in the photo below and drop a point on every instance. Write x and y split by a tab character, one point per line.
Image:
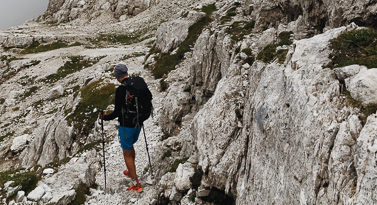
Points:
16	12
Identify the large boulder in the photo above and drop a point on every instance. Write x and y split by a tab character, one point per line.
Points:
363	86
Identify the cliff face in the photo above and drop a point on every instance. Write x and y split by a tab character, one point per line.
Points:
277	132
61	10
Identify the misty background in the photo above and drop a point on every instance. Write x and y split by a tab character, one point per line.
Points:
16	12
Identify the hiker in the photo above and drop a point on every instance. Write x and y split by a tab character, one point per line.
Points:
130	127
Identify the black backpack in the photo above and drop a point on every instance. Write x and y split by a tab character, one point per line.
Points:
138	101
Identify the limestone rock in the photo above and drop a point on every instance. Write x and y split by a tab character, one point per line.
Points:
56	92
20	196
348	71
171	34
20	142
18	41
363	86
365	162
183	174
36	194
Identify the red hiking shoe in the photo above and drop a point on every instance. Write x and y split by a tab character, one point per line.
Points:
137	188
127	173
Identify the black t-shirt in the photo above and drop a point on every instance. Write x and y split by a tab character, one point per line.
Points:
120	95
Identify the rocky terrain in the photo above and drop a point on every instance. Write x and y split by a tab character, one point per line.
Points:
255	102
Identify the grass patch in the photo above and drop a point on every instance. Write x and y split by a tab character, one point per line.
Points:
229	14
8	59
9	134
90	146
94	95
365	110
57	163
269	53
36	47
74	64
119	38
81	191
165	62
250	57
174	166
27	180
354	47
240	28
31	91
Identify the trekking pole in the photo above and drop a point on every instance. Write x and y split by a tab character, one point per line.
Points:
146	144
103	148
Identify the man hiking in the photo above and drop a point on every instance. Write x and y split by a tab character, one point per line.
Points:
130	121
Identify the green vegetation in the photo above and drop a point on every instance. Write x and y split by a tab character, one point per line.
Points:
93	145
166	154
119	38
81	191
27	180
105	39
269	52
9	134
74	64
36	47
8	59
31	91
365	110
230	13
354	47
2	100
94	95
57	163
166	62
250	57
174	166
240	28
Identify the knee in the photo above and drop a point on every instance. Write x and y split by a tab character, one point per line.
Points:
127	153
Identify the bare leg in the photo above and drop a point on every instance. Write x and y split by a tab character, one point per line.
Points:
129	158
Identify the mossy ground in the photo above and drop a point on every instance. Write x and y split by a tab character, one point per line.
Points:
74	64
94	95
355	47
27	180
269	53
36	47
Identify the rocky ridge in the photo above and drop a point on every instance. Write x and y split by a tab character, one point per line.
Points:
278	132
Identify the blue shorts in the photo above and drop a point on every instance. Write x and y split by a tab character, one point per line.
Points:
132	135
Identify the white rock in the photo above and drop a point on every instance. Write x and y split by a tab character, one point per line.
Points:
20	142
36	194
56	92
183	174
348	71
363	86
20	196
48	171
